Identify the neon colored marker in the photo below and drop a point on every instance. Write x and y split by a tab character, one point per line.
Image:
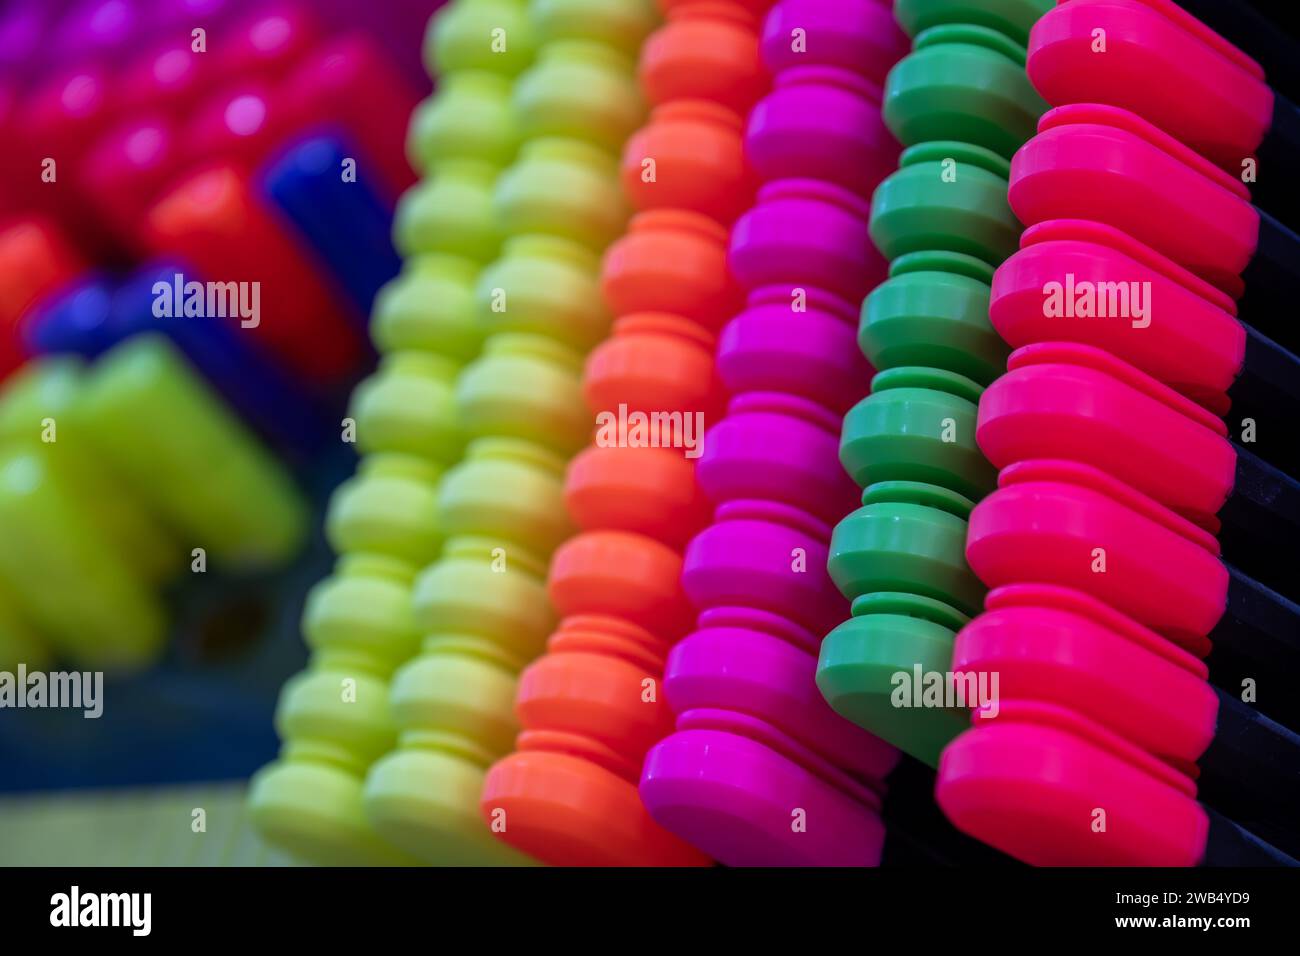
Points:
1177	328
991	785
1109	165
1014	18
1050	643
1175	72
1059	522
1067	401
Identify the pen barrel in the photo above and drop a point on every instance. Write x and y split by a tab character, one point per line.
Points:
1267	391
1229	844
1261	523
1269	279
1258	639
1252	769
1277	153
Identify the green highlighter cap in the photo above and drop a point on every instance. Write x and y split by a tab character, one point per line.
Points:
1012	18
529	387
581	90
335	722
468	118
918	424
48	389
450	212
66	579
566	188
963	82
544	285
155	422
890	634
361	617
908	537
429	307
407	406
489	588
389	507
508	489
492	35
621	25
933	310
948	196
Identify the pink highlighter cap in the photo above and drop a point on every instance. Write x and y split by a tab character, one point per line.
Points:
1078	403
1192	341
1054	522
1159	62
1050	643
1102	163
1029	781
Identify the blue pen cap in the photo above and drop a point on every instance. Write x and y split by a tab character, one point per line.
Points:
74	320
345	222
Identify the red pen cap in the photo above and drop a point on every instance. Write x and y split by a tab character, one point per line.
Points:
213	220
1161	63
350	82
1078	403
1063	523
1193	342
1051	643
1030	782
1109	165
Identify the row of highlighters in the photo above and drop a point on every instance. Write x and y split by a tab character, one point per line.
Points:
539	648
823	225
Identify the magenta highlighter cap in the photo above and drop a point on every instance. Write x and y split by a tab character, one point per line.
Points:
730	784
1107	164
1024	781
778	447
733	665
858	35
745	560
1075	402
1047	519
820	122
1161	63
805	232
1193	343
812	354
1051	643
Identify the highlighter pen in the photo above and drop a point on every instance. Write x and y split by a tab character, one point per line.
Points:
1070	524
483	602
1069	401
1177	328
1047	642
1108	803
1103	163
1166	66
